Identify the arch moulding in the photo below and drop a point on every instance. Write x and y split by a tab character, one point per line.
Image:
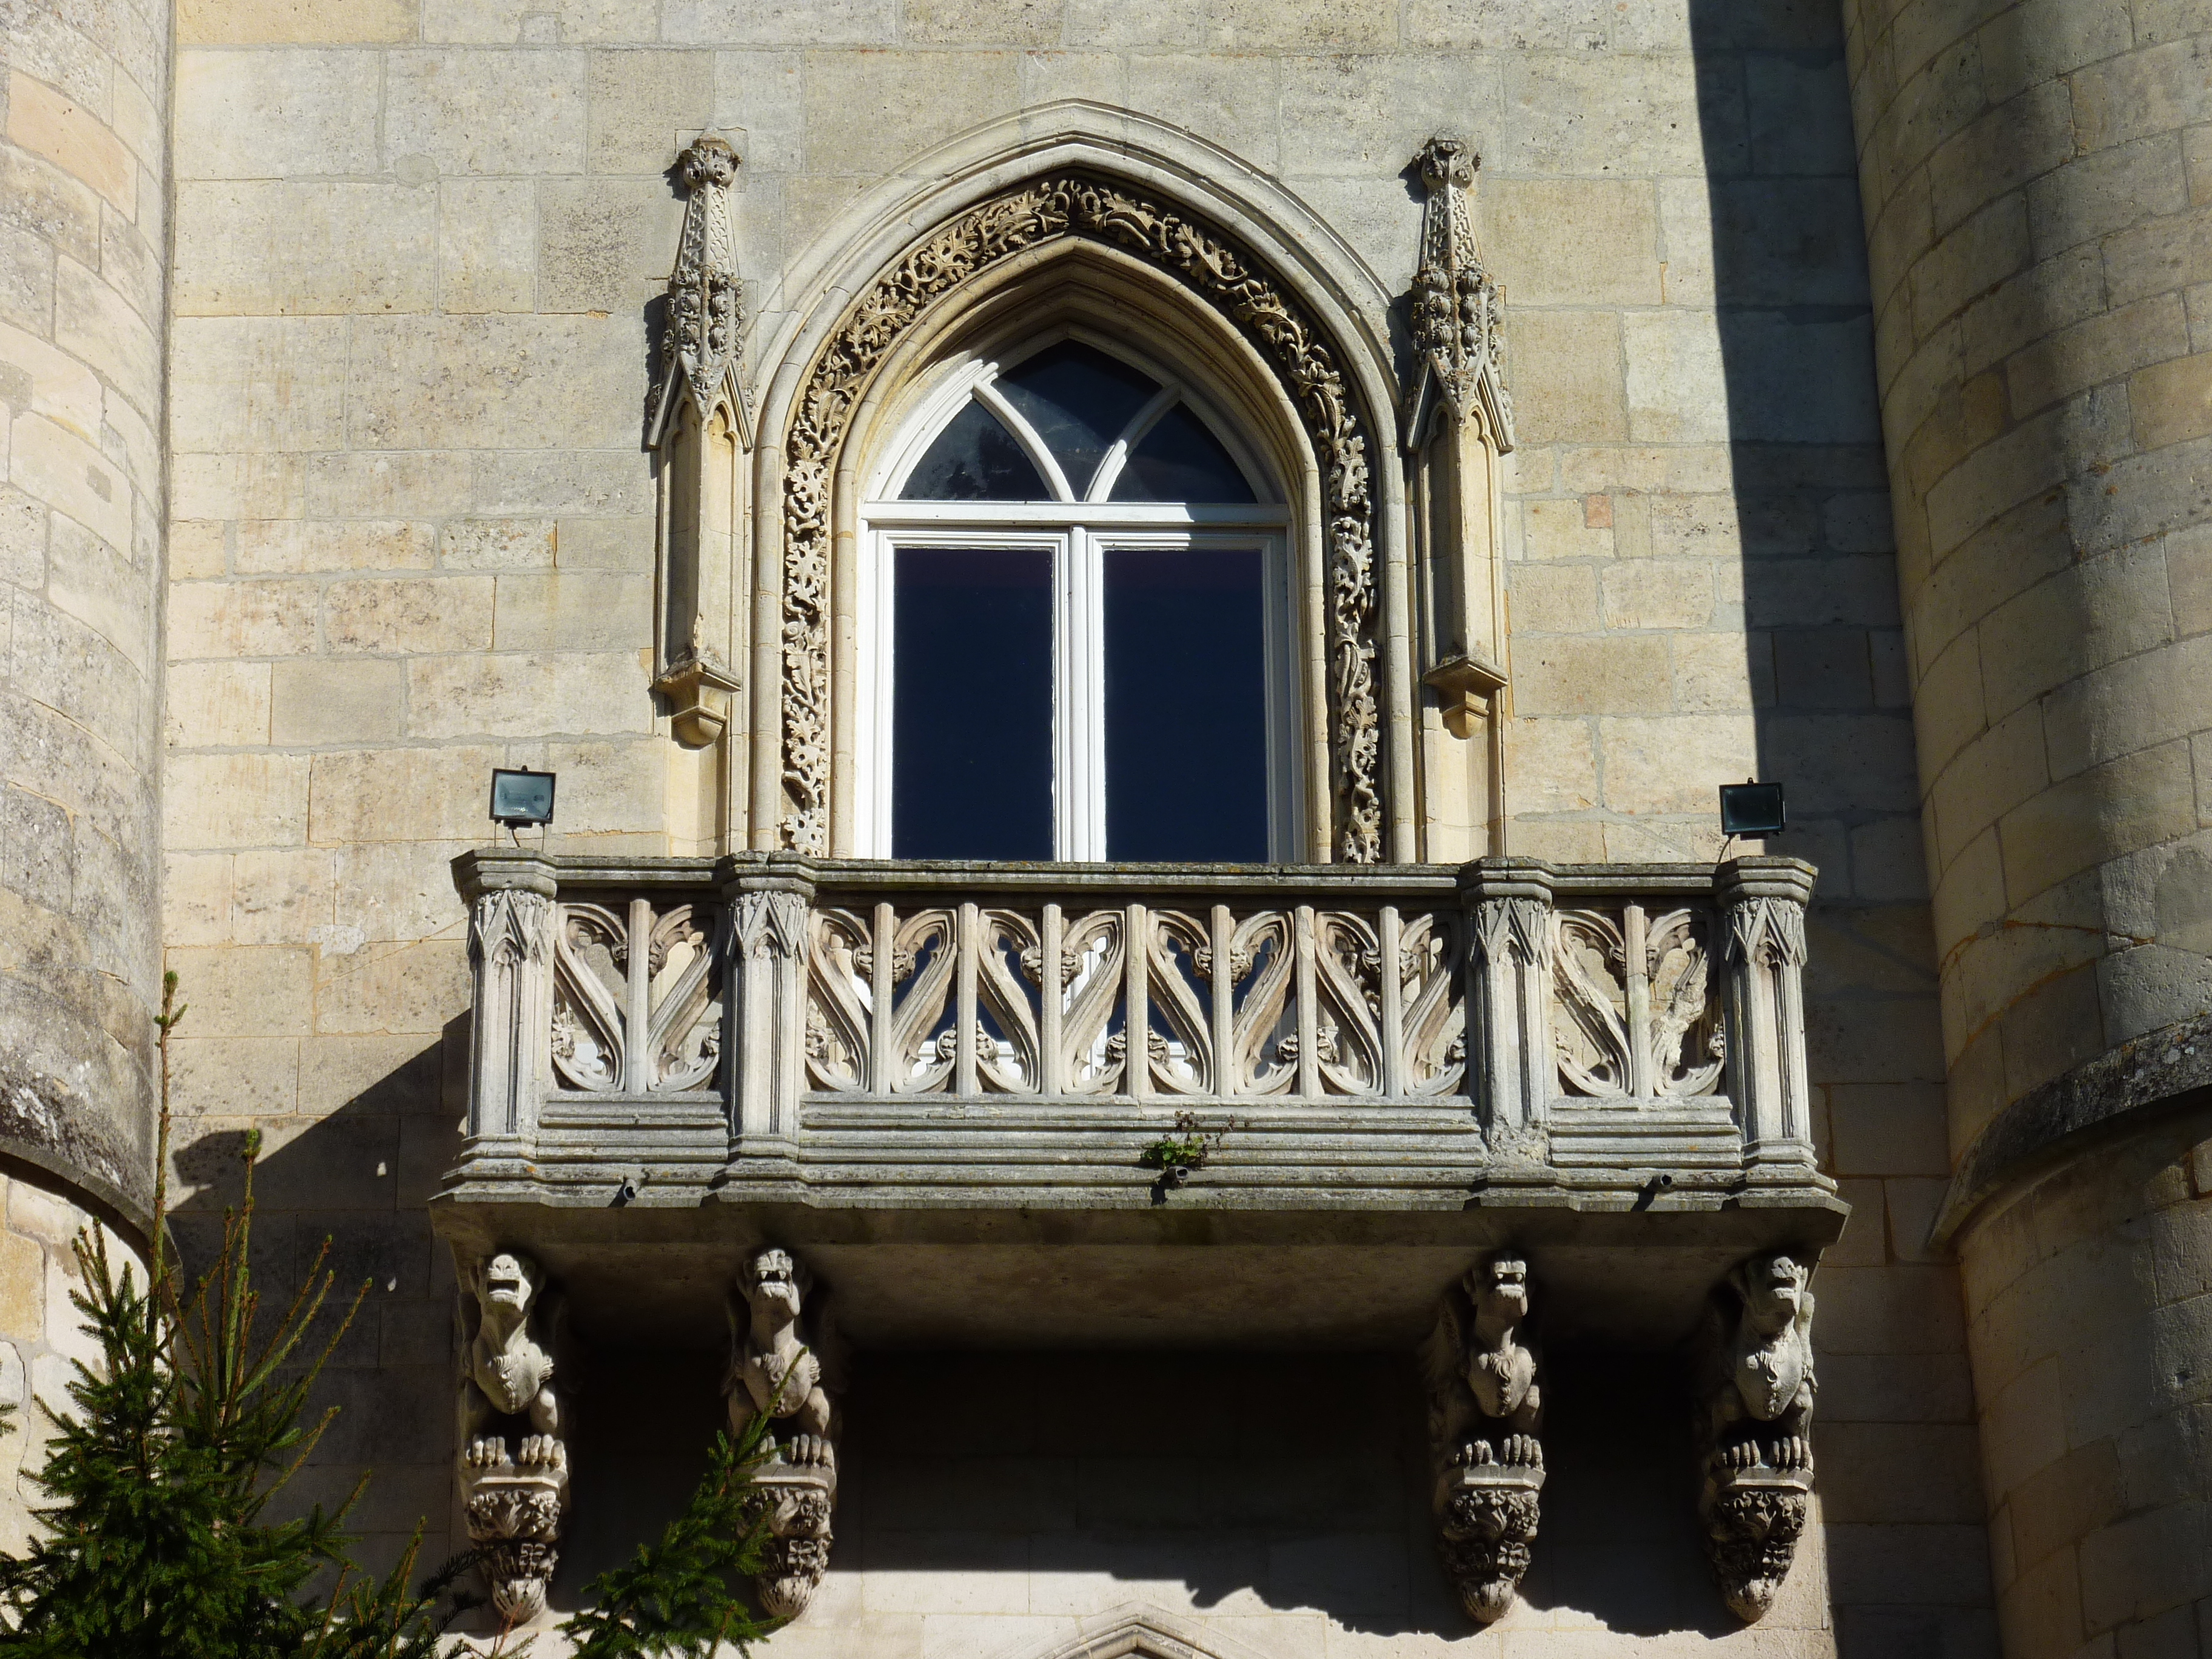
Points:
1293	313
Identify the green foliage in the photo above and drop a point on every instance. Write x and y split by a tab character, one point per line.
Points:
157	1543
675	1595
1188	1149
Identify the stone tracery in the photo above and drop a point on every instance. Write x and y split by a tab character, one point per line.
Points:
1032	215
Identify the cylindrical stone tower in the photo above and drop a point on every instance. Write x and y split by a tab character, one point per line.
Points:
2035	178
84	186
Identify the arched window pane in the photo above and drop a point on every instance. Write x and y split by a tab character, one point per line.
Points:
1186	706
1179	461
975	458
1078	400
972	703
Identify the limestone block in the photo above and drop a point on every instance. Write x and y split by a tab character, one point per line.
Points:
1594	114
279	897
1823	668
2129	705
52	383
1677	392
2017	140
241	619
209	488
2046	299
2139	93
295	546
1990	775
1361	117
778	22
409	613
1952	711
1551	766
1574	241
622	543
291	22
573	610
438	383
2158	255
1567	377
487	245
49	208
356	485
504	22
1581	528
1554	600
2106	191
1799	117
365	1074
404	890
1230	100
79	675
59	468
1675	764
1792	241
250	247
983	22
22	1288
1722	673
1847	763
104	588
2072	360
253	385
1615	674
239	991
216	801
762	96
49	123
2141	496
603	244
527	693
2138	800
196	898
868	111
401	794
2081	620
475	112
1989	247
100	325
564	483
252	114
318	700
496	544
1659	594
2172	402
644	105
393	988
2026	460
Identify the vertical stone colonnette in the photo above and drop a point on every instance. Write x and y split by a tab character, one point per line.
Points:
2035	178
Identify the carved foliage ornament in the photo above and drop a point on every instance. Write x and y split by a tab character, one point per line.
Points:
1458	318
1485	1412
1035	214
706	306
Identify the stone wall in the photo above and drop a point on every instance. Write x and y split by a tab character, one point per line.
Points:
2035	191
413	538
84	233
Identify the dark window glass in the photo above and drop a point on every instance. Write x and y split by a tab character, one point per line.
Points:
975	458
1186	707
1078	400
1179	461
971	714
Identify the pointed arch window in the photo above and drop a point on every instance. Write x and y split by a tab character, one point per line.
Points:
1075	616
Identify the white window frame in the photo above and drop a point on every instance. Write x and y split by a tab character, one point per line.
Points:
1078	535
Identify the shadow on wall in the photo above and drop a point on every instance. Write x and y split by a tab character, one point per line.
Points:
360	1177
1792	329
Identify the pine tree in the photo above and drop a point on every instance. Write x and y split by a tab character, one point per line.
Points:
158	1544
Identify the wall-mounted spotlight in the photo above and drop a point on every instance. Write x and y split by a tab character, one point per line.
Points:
1752	809
521	796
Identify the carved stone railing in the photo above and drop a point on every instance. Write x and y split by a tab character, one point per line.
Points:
867	1034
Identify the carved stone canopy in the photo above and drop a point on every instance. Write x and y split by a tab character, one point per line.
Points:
1458	321
1227	278
706	305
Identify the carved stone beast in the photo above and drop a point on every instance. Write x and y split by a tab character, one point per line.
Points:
509	1370
774	1371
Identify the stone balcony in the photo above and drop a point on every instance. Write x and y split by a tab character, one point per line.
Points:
924	1078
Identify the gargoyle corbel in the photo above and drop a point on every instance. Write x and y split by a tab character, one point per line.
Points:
1754	1419
780	1368
1485	1412
511	1440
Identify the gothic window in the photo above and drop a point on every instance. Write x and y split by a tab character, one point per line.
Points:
1076	606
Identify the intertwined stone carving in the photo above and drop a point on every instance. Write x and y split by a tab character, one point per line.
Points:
1037	213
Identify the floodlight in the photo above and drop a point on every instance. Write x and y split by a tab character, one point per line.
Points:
1752	809
521	796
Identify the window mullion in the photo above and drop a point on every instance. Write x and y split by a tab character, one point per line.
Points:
1080	721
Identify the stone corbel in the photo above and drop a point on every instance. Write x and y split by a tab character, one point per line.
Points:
1486	1414
700	425
1458	422
511	908
781	1368
1763	904
1509	911
511	1443
1756	1419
